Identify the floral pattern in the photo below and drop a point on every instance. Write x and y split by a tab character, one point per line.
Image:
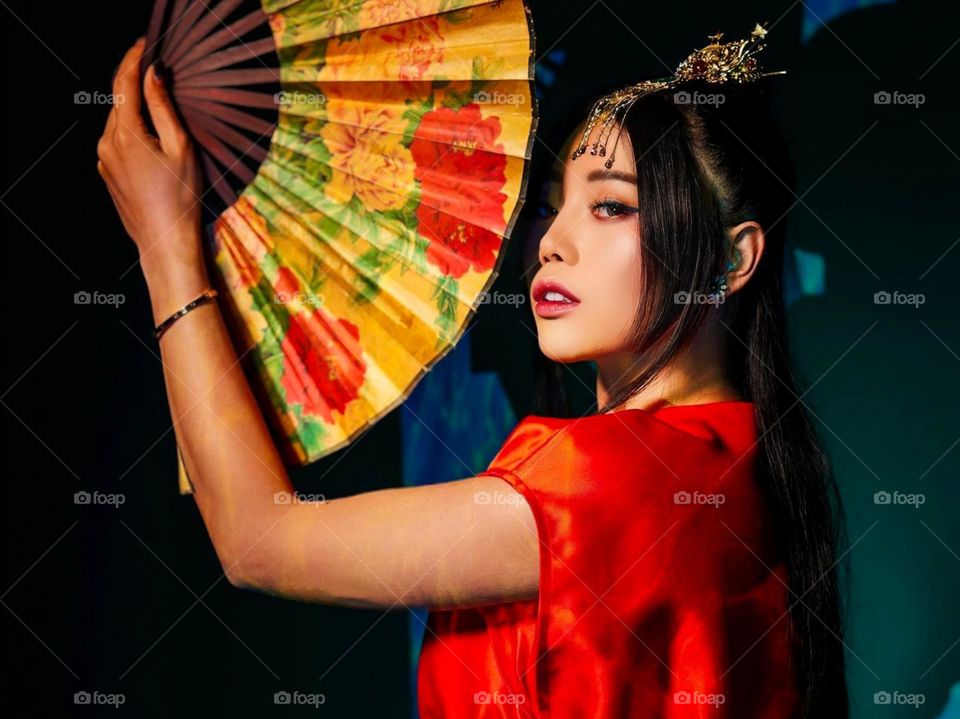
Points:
461	180
360	152
352	261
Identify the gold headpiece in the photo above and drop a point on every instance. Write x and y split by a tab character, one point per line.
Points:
715	63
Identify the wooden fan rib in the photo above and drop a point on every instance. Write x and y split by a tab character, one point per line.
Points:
216	15
220	152
220	39
217	181
238	118
157	17
229	78
246	146
244	98
180	25
170	25
231	56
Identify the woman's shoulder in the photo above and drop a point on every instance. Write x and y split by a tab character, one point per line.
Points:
664	437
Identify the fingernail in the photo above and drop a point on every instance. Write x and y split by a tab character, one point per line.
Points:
159	73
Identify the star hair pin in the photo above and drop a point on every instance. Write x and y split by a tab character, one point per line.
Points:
717	63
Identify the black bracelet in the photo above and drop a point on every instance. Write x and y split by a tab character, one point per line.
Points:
201	300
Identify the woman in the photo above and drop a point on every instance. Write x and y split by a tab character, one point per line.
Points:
671	555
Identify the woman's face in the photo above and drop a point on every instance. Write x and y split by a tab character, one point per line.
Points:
586	291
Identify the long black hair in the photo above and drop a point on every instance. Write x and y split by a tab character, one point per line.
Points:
702	168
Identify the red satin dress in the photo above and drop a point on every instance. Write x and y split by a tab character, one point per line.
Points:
662	588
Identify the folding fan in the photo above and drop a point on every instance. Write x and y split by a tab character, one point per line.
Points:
368	159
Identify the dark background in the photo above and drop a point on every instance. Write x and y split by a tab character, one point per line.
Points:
131	600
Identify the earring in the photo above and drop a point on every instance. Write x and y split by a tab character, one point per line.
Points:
718	291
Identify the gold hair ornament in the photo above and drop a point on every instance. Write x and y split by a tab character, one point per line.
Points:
716	63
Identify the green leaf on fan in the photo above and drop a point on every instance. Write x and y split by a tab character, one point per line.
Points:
446	292
310	433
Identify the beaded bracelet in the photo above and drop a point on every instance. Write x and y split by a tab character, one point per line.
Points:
203	299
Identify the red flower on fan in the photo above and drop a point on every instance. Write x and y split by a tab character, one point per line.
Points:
323	367
461	171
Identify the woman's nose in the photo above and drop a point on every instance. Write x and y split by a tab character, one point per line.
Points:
550	246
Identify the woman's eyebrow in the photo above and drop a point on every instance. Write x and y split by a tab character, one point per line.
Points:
612	175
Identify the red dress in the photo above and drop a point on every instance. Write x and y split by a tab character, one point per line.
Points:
662	588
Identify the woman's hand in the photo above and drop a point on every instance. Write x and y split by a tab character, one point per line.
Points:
155	186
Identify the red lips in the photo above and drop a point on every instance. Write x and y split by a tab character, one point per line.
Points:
542	287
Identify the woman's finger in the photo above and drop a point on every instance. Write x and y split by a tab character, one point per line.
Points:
126	90
111	126
173	139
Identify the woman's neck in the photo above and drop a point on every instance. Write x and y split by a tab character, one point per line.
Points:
697	375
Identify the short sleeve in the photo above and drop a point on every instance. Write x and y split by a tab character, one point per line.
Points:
648	586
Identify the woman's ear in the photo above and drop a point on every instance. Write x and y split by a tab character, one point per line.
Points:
747	242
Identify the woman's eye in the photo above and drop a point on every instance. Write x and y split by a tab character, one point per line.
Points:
612	208
544	209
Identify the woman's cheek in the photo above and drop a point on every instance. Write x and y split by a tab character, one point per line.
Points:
619	286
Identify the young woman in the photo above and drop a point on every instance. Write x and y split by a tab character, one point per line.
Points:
671	555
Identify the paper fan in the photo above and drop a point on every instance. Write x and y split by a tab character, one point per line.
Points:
371	158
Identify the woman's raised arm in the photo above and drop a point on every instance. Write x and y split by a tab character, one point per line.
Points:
439	545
